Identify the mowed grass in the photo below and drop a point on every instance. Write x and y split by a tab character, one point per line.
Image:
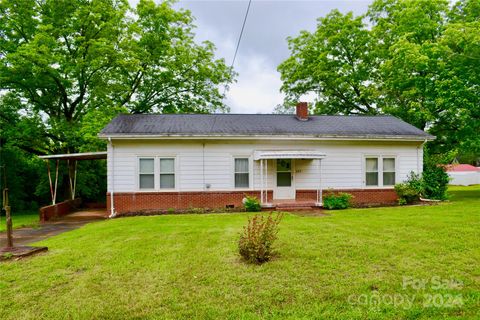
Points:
20	220
186	266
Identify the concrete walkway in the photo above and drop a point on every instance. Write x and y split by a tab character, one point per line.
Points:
24	236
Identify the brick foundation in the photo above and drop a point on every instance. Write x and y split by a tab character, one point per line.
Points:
361	197
126	202
58	210
149	201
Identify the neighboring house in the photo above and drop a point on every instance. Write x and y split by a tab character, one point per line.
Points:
463	174
181	161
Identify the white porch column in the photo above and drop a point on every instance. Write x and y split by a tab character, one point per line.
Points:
319	190
266	181
261	181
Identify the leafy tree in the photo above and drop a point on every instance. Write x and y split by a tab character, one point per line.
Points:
335	63
169	72
64	59
458	119
67	67
416	59
408	33
18	168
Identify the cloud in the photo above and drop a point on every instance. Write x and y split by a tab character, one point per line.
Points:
257	85
257	89
264	45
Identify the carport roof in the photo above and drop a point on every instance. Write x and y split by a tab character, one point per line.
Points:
77	156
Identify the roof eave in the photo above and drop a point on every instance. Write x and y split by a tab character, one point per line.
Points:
268	137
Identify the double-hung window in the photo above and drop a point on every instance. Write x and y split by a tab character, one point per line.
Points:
148	170
146	173
242	176
167	173
379	171
388	171
371	171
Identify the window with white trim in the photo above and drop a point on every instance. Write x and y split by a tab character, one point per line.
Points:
380	171
388	171
371	171
146	172
167	173
242	176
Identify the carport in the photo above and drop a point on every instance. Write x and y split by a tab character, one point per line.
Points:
63	208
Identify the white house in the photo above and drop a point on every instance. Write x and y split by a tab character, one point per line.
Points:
181	161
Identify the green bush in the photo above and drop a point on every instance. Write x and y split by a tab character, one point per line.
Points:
256	241
432	184
409	191
251	204
406	194
435	182
337	201
435	179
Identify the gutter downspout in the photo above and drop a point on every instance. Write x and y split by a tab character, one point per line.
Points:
112	206
418	157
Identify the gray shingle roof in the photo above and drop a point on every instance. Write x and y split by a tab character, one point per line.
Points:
261	125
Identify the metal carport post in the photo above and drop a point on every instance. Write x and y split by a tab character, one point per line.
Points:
71	175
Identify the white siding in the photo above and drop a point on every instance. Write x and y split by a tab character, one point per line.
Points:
199	164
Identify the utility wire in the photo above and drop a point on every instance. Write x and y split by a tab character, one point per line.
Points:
238	43
241	33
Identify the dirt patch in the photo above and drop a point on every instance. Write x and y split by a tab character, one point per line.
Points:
16	253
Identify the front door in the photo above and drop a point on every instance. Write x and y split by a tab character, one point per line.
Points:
285	188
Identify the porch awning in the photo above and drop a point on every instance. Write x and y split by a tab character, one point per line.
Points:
288	154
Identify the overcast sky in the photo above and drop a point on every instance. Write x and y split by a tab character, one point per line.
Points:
264	44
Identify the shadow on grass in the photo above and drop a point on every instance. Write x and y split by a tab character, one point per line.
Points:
460	193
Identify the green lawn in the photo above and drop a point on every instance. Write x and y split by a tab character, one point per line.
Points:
186	266
21	219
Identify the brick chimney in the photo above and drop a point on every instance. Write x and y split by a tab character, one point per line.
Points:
302	111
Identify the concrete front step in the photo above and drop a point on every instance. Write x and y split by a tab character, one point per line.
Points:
293	206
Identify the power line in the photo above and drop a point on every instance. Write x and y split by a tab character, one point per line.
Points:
241	33
238	42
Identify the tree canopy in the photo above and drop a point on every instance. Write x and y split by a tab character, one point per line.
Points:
63	61
67	67
416	59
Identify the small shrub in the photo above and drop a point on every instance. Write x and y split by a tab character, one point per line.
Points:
337	201
251	204
171	211
415	181
432	184
409	191
406	194
256	241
